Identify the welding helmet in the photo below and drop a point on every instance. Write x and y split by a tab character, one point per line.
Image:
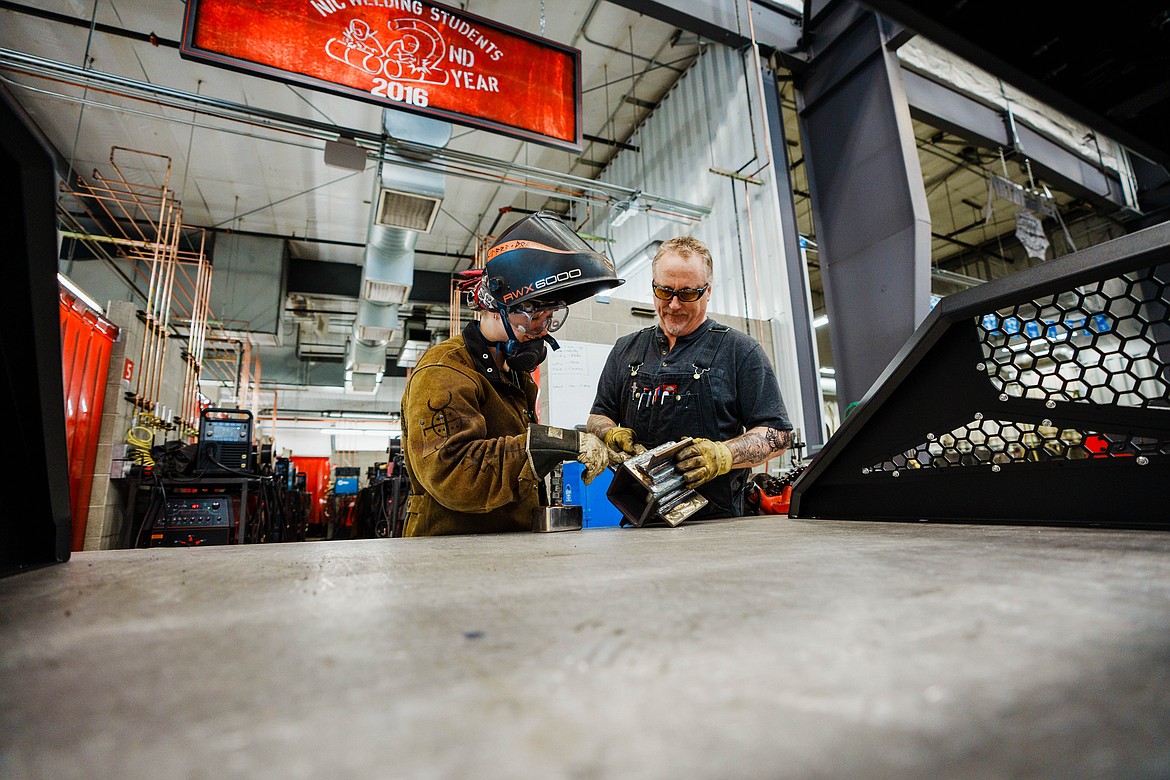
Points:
540	258
534	270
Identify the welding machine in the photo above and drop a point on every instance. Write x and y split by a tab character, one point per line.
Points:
194	521
225	441
345	482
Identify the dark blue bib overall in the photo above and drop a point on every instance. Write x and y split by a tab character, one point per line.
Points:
665	401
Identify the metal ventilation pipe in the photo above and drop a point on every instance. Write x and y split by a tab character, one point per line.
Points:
405	203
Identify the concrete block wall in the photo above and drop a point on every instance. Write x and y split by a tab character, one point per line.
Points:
109	497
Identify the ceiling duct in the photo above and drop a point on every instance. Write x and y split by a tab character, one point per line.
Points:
416	339
359	382
388	270
406	210
406	203
375	322
367	358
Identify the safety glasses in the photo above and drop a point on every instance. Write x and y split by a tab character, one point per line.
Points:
686	294
540	317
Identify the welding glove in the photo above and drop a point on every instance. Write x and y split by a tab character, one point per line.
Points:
620	444
702	460
547	447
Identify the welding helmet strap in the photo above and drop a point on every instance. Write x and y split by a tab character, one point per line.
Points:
513	343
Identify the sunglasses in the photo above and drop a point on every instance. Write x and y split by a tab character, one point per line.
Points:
540	317
686	294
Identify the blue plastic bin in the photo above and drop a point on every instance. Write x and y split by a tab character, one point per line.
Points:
596	509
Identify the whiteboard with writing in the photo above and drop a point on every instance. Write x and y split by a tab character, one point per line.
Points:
573	371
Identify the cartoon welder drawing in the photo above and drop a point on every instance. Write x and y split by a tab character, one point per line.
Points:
415	52
358	47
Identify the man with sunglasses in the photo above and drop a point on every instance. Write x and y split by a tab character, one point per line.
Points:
474	452
690	376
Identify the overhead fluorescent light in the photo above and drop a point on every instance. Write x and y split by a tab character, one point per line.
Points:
72	287
355	432
821	321
372	416
621	214
623	210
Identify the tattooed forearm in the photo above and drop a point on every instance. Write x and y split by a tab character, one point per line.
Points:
780	440
757	445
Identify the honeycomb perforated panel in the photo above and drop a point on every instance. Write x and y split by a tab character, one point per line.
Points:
1040	398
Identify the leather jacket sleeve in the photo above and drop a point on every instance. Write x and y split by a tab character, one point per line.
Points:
467	441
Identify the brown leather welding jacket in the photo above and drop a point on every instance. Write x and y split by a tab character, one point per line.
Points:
464	429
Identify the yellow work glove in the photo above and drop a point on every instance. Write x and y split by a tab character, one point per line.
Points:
592	454
620	443
702	460
620	439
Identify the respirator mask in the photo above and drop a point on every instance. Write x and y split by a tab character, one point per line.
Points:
524	355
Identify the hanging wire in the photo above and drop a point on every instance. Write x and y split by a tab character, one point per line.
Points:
634	99
950	203
1060	219
608	111
86	62
954	221
1003	163
191	140
760	314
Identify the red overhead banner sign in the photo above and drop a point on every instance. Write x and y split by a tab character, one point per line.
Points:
409	54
